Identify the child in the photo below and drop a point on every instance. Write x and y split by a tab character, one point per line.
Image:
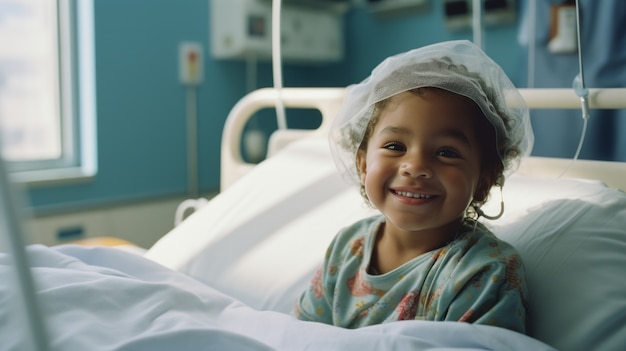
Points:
426	137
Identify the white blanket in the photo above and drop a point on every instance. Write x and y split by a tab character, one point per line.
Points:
107	299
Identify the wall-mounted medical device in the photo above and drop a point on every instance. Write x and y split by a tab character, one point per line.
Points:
495	12
393	7
241	29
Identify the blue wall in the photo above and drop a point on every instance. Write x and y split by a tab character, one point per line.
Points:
371	39
141	105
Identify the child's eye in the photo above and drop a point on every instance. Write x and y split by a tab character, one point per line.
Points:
395	146
448	153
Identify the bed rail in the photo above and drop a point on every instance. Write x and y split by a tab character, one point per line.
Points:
328	100
232	164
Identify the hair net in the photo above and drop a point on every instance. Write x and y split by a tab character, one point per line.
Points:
457	66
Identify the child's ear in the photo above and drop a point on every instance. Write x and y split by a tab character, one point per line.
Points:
485	182
361	164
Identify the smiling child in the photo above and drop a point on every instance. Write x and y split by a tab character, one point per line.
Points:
425	138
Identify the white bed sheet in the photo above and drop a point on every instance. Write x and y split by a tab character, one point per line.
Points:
265	221
106	299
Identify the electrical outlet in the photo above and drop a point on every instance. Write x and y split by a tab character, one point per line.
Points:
191	63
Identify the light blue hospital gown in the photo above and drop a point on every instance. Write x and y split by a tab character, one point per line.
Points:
476	279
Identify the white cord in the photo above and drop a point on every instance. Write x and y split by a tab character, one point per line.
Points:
277	64
477	12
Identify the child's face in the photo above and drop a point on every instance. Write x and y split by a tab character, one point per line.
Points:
421	165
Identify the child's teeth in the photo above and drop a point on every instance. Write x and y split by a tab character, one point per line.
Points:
416	196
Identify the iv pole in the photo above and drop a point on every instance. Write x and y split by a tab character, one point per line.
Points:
11	226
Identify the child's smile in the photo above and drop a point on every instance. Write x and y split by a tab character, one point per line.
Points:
412	195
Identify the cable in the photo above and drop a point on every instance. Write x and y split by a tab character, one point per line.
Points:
277	64
477	19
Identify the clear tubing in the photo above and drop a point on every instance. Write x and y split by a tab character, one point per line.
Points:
581	91
277	64
580	48
580	146
579	82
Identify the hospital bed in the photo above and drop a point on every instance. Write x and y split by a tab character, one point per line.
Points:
229	274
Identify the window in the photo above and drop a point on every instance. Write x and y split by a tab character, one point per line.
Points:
46	89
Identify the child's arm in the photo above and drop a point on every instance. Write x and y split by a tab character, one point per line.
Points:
315	304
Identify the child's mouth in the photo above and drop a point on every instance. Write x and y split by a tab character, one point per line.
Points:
412	195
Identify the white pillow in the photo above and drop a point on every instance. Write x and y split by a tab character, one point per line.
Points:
574	250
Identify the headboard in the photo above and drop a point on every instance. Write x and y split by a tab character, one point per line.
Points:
328	100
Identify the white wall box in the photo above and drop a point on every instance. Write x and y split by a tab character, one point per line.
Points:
495	12
242	29
394	7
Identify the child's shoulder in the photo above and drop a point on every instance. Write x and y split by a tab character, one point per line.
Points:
482	255
483	245
355	236
362	227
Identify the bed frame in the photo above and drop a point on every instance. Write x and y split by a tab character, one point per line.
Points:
328	100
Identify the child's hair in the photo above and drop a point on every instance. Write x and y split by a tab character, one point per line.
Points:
458	67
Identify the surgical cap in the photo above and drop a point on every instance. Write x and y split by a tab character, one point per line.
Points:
460	67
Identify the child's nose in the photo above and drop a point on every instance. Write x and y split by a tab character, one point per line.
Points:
415	166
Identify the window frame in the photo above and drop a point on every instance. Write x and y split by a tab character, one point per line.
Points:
76	102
